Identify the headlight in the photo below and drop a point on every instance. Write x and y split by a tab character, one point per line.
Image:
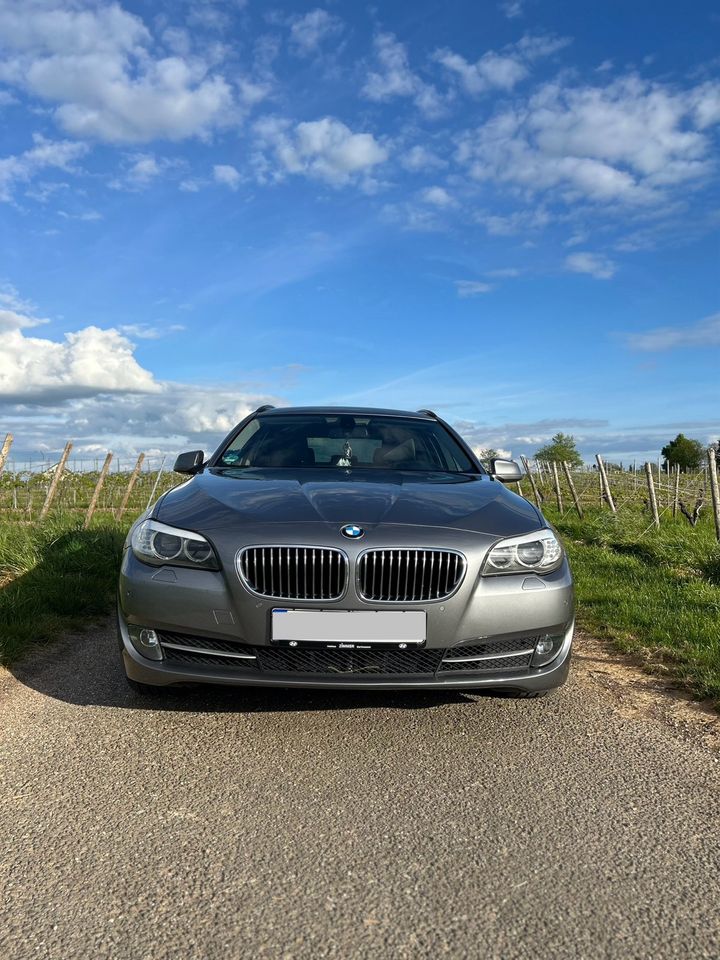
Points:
539	552
156	543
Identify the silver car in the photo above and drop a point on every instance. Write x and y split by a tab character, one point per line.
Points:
346	548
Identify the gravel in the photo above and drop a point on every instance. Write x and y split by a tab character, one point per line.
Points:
249	823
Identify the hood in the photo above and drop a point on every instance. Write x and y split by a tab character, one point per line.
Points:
216	499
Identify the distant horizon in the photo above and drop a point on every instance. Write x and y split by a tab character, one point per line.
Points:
22	458
506	212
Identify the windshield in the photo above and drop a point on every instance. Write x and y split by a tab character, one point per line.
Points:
342	440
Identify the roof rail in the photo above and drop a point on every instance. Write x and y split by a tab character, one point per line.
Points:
430	413
264	407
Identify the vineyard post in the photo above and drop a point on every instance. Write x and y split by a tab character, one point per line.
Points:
96	491
131	483
54	483
556	481
541	472
536	492
651	493
714	490
5	450
573	491
676	497
604	484
157	481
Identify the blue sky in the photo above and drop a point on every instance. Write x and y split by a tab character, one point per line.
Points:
506	211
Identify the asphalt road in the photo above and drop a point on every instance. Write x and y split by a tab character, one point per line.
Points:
257	824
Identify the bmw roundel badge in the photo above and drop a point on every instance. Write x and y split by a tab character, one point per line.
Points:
352	531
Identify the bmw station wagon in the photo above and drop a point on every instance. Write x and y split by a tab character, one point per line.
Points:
345	548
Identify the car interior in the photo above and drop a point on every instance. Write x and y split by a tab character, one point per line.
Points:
346	441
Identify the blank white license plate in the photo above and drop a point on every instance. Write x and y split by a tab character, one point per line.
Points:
349	626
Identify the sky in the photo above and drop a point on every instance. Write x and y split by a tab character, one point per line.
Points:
505	211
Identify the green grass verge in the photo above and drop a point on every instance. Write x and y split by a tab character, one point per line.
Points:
654	593
54	577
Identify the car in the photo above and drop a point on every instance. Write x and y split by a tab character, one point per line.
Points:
345	548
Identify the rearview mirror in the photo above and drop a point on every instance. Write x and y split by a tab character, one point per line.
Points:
190	462
506	471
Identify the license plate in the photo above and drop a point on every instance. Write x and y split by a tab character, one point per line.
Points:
349	626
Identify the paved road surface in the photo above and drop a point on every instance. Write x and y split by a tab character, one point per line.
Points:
307	825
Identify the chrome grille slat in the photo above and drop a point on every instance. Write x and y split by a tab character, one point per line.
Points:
490	656
409	576
294	573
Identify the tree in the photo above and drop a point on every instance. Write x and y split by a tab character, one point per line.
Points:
561	449
685	452
486	454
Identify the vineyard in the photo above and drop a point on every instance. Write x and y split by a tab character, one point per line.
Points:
32	491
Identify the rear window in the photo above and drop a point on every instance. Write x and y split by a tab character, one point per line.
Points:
332	441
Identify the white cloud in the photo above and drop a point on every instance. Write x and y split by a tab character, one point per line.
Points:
24	310
45	154
140	170
500	71
480	448
504	273
89	386
419	158
471	288
706	104
88	216
520	221
253	93
309	32
99	65
192	185
213	14
394	78
437	197
322	149
143	169
597	265
491	71
625	142
145	331
175	417
512	8
89	361
411	216
704	333
227	175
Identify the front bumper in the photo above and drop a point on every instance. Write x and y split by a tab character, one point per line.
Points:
505	613
442	674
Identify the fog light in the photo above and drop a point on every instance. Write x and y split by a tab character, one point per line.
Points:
546	649
145	641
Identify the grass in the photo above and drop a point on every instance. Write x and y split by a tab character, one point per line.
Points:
54	577
654	593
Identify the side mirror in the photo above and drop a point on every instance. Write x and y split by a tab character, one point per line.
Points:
506	471
189	462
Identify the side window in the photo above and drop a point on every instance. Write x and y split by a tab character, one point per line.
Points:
232	455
